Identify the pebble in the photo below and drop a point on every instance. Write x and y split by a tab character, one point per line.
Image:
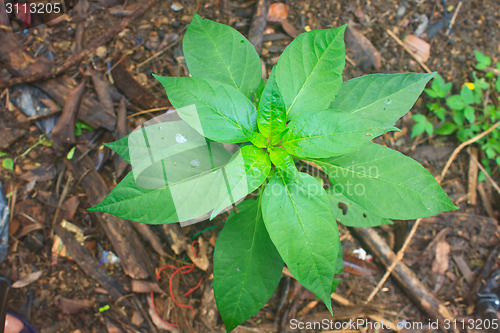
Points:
177	7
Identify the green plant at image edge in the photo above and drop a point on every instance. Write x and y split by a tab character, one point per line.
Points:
467	113
304	111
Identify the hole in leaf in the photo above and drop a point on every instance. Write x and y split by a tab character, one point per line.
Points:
338	221
343	206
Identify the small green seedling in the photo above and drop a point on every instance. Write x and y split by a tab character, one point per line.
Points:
184	169
474	109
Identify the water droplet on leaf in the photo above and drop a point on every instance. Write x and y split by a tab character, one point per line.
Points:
180	138
388	101
195	163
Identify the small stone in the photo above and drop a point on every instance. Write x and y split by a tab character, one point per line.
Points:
101	52
177	7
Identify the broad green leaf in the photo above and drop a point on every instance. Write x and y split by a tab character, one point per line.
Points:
174	189
298	217
186	185
351	214
386	183
446	129
271	113
381	97
329	132
256	96
246	171
218	52
152	139
216	110
309	71
283	161
247	266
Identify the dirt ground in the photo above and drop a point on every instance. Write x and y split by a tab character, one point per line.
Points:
66	298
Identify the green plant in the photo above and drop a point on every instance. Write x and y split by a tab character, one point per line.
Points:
304	111
474	109
7	162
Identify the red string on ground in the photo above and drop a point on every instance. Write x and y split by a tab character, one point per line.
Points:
184	270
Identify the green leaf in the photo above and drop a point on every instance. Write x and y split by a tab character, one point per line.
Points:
309	71
455	102
467	95
256	138
216	110
470	114
2	154
418	129
246	171
446	129
440	88
186	185
351	214
283	161
419	118
329	132
8	163
458	117
271	113
381	97
429	129
218	52
386	183
308	242
173	189
153	139
257	94
431	93
247	266
483	60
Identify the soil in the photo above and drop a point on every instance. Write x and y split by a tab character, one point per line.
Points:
66	299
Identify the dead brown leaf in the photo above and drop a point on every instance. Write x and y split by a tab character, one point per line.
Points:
278	12
27	280
419	47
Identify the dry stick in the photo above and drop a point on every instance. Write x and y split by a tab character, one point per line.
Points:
76	58
399	257
462	146
452	21
149	111
410	52
495	185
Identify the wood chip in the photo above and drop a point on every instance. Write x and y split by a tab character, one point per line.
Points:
420	48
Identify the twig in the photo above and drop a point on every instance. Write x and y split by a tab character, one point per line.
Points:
462	146
495	185
452	21
149	111
410	52
158	53
76	58
349	60
398	258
